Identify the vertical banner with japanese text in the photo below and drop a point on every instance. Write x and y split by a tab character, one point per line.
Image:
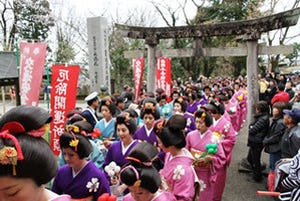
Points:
138	72
63	99
32	60
99	62
164	74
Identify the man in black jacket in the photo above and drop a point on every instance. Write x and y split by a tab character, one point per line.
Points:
290	143
258	129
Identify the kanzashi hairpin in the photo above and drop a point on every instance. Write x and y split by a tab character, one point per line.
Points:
8	154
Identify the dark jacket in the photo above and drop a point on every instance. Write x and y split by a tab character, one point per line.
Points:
258	129
290	142
272	141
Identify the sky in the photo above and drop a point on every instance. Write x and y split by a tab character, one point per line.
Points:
119	10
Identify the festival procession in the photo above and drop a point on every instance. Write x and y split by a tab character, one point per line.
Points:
151	125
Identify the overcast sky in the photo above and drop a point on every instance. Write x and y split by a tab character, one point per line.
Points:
119	10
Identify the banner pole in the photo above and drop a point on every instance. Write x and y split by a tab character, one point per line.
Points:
48	87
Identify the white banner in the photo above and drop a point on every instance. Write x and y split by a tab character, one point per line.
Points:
99	63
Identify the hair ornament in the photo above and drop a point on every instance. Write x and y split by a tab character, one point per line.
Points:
138	181
123	118
73	128
149	105
203	115
129	158
17	128
74	142
160	125
10	155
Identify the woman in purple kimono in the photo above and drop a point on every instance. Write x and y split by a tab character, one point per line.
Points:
141	177
179	107
118	151
178	175
80	178
223	128
206	165
149	114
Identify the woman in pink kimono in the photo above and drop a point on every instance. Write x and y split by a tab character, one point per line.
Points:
141	177
178	175
206	165
223	128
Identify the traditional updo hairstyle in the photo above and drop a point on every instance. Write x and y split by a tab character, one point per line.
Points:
23	151
108	103
171	134
140	171
182	103
205	115
78	142
149	107
124	118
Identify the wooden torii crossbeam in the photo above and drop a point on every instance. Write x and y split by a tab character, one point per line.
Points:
250	30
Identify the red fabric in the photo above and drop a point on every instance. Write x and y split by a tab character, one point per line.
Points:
271	181
164	75
32	60
281	96
63	99
138	72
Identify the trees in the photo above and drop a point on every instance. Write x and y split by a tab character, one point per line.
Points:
212	11
24	19
278	36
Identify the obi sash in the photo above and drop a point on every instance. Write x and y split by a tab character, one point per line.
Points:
197	155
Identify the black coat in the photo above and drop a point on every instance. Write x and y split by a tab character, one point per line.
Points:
272	141
258	129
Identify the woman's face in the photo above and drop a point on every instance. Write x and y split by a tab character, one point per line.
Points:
177	108
149	120
106	112
71	157
123	133
13	189
200	125
140	194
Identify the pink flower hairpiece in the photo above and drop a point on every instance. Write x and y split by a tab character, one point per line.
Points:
8	154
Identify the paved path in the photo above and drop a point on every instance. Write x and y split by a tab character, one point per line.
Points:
237	187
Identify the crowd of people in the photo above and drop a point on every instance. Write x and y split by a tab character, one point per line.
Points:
153	147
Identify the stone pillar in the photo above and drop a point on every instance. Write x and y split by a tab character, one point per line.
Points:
151	75
252	77
151	42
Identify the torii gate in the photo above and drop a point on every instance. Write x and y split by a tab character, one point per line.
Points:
250	30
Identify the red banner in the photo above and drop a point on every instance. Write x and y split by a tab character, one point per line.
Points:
63	99
138	71
32	60
164	75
